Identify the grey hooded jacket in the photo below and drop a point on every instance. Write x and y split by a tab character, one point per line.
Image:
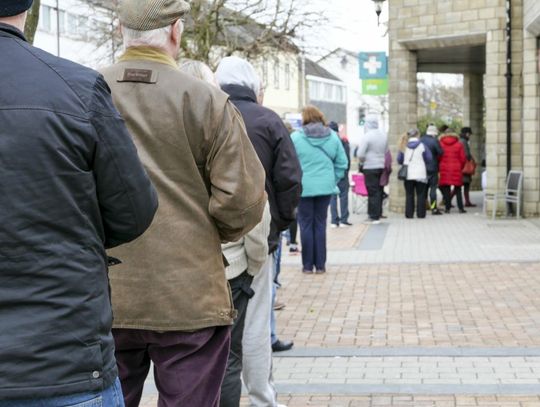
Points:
373	146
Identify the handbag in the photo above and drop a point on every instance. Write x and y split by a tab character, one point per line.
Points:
402	173
470	167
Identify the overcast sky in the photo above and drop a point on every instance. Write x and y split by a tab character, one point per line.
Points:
352	25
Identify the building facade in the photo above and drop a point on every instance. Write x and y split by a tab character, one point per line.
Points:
280	77
73	30
325	91
501	93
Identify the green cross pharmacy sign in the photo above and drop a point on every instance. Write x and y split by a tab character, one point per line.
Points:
373	73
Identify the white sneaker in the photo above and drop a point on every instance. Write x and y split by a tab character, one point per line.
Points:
281	405
371	222
333	226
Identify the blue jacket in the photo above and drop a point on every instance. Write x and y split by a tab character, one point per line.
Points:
322	158
433	145
71	184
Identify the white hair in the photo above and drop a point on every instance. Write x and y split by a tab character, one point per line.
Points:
199	70
152	38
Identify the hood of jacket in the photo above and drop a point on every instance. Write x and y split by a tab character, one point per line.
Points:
372	123
449	139
413	143
239	92
318	133
237	71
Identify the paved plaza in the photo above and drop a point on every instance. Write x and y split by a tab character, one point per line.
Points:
443	311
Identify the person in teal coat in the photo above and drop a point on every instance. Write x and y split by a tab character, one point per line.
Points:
323	163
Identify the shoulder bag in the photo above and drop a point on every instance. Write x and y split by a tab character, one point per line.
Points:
402	173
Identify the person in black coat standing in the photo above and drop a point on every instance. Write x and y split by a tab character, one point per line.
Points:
273	145
341	219
72	185
432	144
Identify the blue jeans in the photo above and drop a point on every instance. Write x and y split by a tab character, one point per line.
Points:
343	196
312	214
110	397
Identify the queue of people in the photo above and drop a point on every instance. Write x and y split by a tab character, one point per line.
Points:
159	193
110	145
429	163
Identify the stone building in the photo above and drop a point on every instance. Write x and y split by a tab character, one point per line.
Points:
469	37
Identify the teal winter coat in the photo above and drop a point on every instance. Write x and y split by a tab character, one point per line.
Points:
322	158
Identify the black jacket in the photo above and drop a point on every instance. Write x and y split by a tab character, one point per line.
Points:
433	145
71	184
275	149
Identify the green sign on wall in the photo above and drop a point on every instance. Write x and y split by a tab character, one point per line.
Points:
375	87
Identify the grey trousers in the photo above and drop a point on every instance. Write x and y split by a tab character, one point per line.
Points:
257	350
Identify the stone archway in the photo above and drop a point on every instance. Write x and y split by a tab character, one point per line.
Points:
467	55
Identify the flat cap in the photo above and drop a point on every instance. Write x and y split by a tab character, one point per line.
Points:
9	8
146	15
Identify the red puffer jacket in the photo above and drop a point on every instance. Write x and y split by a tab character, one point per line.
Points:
452	161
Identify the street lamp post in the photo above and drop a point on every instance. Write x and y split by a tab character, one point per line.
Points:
378	8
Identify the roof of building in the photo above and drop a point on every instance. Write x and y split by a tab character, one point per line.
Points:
314	69
335	51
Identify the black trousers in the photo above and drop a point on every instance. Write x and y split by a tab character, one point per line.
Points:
372	179
433	184
293	230
231	388
447	195
415	196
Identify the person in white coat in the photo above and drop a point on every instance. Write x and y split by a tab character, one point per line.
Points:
416	157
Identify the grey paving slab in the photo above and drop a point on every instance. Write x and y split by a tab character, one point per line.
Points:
374	238
470	237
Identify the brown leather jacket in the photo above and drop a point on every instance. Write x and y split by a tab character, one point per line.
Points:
210	184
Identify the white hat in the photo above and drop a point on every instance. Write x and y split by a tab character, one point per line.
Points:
432	130
237	71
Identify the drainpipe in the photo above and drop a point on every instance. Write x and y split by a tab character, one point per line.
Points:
508	86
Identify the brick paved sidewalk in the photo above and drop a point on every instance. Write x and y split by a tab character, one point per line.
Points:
400	400
428	305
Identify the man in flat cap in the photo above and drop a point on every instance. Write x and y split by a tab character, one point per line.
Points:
71	185
171	300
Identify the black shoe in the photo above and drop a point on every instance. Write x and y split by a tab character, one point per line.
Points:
436	212
346	223
280	346
462	211
447	211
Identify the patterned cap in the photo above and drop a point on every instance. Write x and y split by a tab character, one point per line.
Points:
146	15
9	8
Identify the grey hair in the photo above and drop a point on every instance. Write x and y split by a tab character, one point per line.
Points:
199	70
152	38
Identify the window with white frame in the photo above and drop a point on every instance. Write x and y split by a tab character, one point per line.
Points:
276	74
45	16
287	77
265	72
315	90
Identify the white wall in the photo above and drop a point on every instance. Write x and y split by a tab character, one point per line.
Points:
281	84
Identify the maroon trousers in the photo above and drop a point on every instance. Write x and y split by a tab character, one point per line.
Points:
188	366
